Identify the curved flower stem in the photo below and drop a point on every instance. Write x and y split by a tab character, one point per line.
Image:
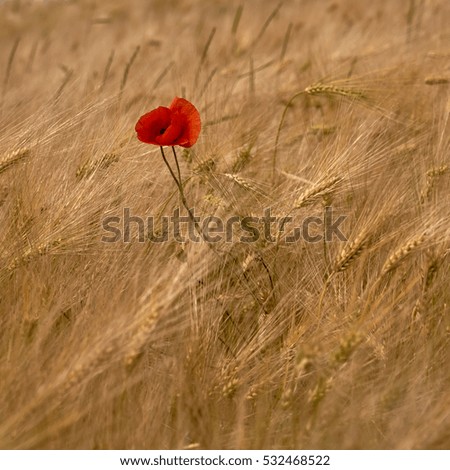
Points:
179	184
178	166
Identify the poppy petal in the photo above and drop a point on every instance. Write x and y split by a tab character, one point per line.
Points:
186	113
153	124
172	132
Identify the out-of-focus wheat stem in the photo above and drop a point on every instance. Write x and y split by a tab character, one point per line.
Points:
128	67
107	68
205	53
12	54
266	24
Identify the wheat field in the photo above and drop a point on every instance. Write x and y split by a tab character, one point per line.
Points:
306	106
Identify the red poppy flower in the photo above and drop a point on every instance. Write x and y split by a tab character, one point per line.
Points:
179	124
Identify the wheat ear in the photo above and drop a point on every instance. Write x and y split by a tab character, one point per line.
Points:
319	89
242	182
98	360
430	182
437	81
351	251
13	157
30	254
140	338
401	253
104	162
317	190
428	278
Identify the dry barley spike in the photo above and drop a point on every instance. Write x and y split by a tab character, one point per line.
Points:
430	274
432	174
204	167
322	129
95	362
242	182
242	159
317	190
319	89
13	158
395	259
428	278
91	166
437	81
351	252
346	348
30	254
437	171
140	338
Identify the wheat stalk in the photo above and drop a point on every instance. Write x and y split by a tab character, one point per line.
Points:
128	67
107	68
205	53
12	54
280	126
266	25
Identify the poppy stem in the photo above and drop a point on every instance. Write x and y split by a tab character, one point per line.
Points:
181	191
178	183
178	166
